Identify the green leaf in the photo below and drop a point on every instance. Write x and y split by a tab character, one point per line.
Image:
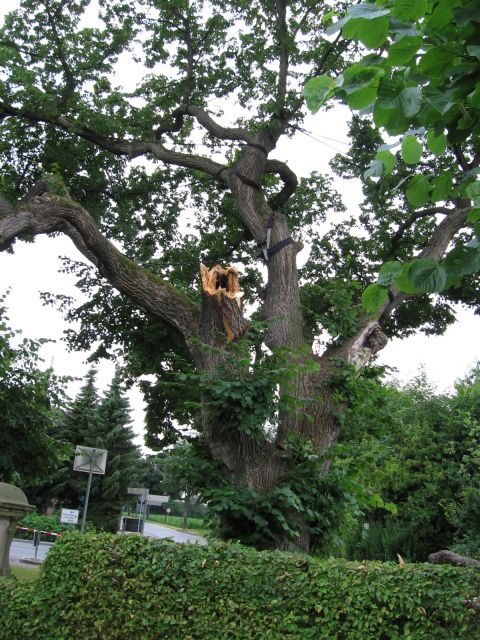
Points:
388	273
367	11
427	276
441	187
473	190
392	120
409	10
403	50
441	101
474	50
373	297
402	282
383	163
436	143
375	169
316	91
360	85
388	160
418	191
370	32
462	260
436	62
410	100
411	150
474	215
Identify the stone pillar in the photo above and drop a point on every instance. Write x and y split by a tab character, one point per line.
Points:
13	507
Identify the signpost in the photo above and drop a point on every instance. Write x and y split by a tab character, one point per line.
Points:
69	516
89	460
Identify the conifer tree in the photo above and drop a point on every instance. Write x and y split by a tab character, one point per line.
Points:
113	433
104	424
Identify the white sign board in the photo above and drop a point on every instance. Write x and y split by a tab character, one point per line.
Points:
137	491
69	516
155	500
84	457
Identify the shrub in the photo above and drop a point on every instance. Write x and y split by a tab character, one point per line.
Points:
42	523
124	587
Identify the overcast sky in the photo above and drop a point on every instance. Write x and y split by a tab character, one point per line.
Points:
34	268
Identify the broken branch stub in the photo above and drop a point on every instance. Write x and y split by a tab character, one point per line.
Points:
221	285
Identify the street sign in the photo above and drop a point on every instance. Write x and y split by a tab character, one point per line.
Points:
137	491
155	500
69	516
90	460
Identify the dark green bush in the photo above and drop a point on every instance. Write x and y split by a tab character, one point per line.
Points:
42	523
102	586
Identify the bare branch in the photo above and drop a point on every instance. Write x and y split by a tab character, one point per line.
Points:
49	213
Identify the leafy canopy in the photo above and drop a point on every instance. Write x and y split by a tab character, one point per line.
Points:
422	90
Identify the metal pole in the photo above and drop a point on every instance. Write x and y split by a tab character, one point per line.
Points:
140	512
87	493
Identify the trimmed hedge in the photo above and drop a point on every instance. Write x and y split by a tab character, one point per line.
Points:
110	587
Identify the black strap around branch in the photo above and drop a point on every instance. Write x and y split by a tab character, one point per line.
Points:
267	253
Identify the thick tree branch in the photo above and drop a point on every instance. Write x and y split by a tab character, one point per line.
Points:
119	147
289	179
213	127
49	213
417	215
369	338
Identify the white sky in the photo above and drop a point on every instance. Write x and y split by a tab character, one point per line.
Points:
34	268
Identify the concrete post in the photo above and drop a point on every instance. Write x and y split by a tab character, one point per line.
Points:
13	507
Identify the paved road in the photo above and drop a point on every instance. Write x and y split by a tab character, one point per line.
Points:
157	531
25	549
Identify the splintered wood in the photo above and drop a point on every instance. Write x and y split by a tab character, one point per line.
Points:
221	285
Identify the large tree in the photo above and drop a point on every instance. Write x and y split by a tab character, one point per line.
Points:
180	170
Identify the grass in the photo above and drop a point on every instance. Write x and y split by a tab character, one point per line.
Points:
195	525
25	572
